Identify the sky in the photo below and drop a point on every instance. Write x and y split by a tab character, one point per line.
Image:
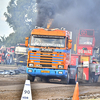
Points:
5	30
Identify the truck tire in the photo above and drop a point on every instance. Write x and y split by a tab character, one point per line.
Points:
31	78
38	79
65	80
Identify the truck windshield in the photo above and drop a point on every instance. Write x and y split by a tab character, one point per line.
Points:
48	41
85	40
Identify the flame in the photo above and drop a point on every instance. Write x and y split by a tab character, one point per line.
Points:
49	23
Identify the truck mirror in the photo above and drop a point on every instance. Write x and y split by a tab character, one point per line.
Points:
26	41
69	44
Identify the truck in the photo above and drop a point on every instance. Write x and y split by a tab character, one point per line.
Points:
49	55
21	53
85	52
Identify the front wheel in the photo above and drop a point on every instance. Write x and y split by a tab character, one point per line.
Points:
31	78
65	80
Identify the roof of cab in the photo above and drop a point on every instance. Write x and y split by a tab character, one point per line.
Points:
52	32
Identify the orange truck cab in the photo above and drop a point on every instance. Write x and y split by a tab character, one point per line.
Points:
49	54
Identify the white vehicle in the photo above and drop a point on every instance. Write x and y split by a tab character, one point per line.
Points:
21	54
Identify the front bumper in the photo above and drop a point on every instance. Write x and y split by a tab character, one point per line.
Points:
47	72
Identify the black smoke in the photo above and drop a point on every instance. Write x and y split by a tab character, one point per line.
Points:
71	14
46	10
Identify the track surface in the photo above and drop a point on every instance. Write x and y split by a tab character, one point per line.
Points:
11	88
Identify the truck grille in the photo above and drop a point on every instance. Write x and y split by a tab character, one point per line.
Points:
46	59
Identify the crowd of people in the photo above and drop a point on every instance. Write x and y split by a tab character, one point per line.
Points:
6	56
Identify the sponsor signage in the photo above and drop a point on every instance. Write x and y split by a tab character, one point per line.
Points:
83	51
85	63
74	60
43	49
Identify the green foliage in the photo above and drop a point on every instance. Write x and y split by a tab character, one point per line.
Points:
2	40
21	16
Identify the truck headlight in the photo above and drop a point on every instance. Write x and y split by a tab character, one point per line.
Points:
31	65
60	72
60	66
29	70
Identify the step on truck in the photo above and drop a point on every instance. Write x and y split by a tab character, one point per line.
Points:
49	55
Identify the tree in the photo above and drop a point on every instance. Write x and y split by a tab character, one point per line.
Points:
2	40
21	16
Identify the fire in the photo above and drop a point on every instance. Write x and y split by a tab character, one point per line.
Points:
49	23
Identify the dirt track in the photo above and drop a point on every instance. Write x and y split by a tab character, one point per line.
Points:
11	88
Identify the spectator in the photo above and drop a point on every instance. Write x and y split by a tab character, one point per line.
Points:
8	58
